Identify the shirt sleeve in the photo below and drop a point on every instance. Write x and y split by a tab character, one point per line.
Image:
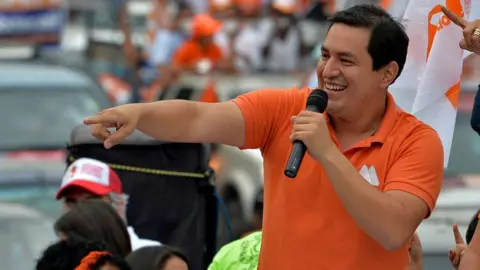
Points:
418	169
267	111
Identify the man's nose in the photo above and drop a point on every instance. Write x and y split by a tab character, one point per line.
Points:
331	68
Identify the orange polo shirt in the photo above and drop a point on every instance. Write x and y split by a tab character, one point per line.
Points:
190	53
305	224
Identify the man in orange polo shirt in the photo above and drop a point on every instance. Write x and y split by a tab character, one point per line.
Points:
372	172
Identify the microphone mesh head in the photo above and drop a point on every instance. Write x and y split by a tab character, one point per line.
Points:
319	99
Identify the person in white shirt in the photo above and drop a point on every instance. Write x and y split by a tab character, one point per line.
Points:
282	52
90	179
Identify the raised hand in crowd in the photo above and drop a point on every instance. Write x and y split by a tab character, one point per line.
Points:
456	253
471	31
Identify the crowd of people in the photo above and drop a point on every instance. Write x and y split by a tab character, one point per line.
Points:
233	37
366	226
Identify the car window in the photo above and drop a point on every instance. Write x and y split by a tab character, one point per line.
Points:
42	117
39	197
465	153
23	240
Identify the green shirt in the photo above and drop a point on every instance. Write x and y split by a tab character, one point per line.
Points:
241	254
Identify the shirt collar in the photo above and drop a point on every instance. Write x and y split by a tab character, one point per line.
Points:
386	126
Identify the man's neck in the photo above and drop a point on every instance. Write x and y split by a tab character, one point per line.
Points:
360	124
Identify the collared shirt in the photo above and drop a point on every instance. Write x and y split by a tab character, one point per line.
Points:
305	224
138	242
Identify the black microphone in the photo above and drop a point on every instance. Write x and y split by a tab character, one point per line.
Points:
316	102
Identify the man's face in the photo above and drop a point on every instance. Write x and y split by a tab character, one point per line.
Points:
205	41
74	196
345	70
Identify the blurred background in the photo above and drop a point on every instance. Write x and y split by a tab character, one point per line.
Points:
61	61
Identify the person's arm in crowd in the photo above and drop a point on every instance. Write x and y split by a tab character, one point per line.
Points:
129	49
411	188
475	120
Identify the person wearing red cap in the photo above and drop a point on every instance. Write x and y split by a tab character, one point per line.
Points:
92	179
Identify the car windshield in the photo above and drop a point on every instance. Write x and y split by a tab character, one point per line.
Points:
465	151
42	117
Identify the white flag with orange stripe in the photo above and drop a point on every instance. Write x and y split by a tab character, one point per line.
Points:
430	84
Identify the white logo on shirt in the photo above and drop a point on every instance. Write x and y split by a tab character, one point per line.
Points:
369	174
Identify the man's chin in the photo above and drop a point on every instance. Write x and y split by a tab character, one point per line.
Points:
334	108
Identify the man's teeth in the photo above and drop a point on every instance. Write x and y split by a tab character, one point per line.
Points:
335	87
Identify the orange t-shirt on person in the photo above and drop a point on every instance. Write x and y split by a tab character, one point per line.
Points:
305	224
191	52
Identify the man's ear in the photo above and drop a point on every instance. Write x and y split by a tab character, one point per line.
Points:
390	72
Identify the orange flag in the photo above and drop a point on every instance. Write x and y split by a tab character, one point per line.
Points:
209	94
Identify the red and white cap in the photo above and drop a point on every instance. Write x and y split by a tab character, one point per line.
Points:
91	175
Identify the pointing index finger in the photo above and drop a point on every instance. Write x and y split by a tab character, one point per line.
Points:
454	17
457	235
107	119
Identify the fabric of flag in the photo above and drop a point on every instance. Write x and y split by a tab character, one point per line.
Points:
396	8
430	83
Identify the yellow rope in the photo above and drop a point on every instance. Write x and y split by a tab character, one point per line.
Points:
153	171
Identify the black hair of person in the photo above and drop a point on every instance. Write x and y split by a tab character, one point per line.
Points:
96	220
153	257
67	254
471	227
388	40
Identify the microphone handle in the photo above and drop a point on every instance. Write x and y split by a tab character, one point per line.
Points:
297	154
295	159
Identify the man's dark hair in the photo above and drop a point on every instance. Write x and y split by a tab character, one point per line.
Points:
388	40
153	257
471	227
